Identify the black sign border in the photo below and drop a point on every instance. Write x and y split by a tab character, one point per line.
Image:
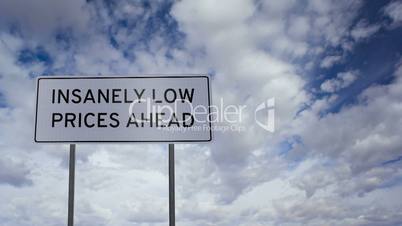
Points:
124	77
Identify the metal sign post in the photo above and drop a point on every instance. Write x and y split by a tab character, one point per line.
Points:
71	184
172	215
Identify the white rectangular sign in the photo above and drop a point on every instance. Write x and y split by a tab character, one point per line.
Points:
123	109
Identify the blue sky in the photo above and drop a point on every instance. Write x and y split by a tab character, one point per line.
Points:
333	67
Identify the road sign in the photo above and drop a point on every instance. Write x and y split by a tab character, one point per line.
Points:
123	109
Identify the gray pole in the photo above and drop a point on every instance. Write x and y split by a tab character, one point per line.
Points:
71	182
172	218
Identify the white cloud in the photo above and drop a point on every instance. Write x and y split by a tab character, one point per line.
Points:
342	80
40	19
14	173
363	30
356	142
299	27
329	61
234	52
394	11
332	20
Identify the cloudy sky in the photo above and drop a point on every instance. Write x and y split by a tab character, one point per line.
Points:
333	67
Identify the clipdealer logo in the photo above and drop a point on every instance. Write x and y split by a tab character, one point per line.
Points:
225	117
264	115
